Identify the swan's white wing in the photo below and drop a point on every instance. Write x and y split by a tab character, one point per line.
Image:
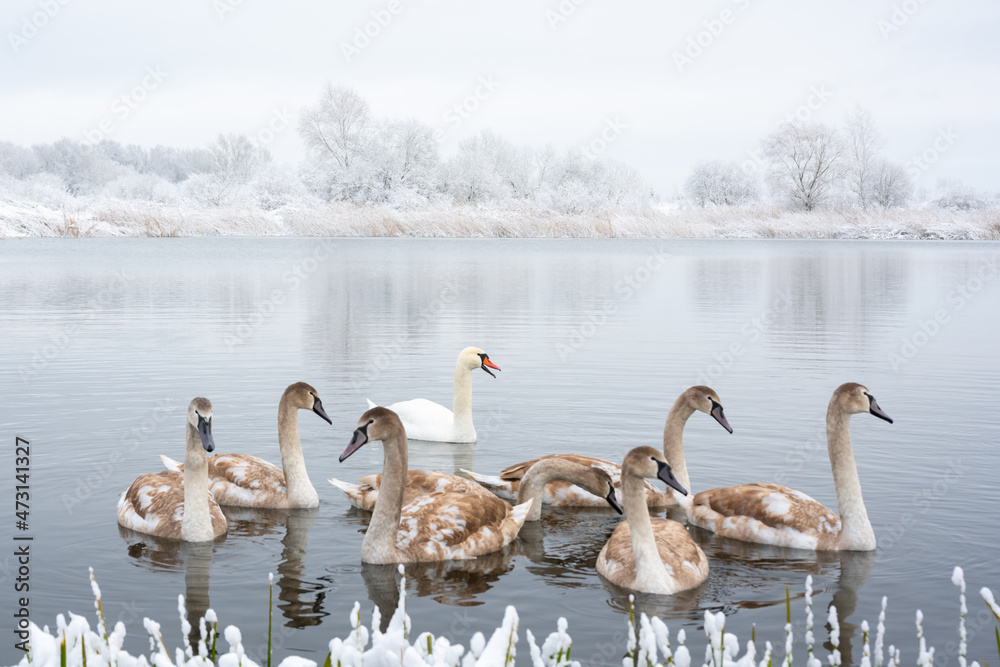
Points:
425	420
371	404
170	464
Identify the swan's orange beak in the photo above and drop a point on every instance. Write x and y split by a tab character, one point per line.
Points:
487	364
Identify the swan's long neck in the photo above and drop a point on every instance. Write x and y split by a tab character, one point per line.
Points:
461	406
196	524
856	530
533	483
379	545
300	490
649	569
673	446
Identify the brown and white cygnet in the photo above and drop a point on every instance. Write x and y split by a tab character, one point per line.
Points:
178	505
775	514
644	554
563	494
457	520
248	481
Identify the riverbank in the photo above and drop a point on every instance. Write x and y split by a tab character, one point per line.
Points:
114	217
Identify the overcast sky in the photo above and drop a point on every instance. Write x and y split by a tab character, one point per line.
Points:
563	73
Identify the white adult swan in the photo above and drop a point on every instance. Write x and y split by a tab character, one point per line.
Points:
426	420
454	523
775	514
242	480
650	555
175	505
559	493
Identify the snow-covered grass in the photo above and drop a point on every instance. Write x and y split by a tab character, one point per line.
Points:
74	644
116	217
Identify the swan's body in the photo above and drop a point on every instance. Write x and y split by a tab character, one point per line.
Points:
564	494
418	482
456	522
242	480
426	420
650	555
775	514
178	505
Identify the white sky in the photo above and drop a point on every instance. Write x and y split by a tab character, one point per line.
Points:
606	61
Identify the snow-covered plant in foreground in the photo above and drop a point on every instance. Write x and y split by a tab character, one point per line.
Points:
74	644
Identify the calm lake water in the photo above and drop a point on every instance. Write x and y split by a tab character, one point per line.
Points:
105	341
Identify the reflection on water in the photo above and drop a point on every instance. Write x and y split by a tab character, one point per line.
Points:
594	352
194	558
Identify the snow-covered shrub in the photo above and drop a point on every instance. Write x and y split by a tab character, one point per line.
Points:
143	187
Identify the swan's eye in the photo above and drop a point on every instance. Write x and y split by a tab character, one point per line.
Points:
371	421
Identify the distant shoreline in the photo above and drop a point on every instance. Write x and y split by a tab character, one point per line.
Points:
129	218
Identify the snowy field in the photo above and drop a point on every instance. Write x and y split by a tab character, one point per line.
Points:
96	217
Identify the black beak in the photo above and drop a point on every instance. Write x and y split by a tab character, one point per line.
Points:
205	431
876	410
613	501
318	409
666	475
719	416
360	438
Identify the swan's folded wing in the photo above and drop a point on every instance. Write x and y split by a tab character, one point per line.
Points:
243	480
423	419
773	513
455	523
153	504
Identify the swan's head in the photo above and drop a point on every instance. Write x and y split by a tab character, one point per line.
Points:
598	482
648	463
376	424
704	399
200	417
854	398
304	397
472	358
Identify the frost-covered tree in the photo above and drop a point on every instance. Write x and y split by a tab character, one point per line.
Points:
336	132
82	167
805	163
17	161
887	184
236	161
721	183
400	159
864	144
